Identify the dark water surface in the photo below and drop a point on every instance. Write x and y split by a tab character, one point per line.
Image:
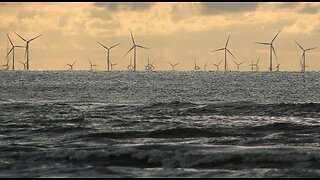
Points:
159	124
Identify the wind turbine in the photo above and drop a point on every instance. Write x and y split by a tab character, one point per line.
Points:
134	47
24	65
173	65
91	65
217	65
71	65
108	53
27	47
12	50
149	66
278	66
252	65
111	65
256	64
271	49
130	67
196	68
205	66
238	64
225	53
303	58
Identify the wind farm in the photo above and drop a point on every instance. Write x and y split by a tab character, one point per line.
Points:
150	89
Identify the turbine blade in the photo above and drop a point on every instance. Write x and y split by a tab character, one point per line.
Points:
227	41
132	38
220	62
114	46
10	39
258	61
9	52
74	62
241	63
142	47
102	45
176	64
262	43
274	52
90	62
20	46
218	50
311	49
35	38
21	37
299	45
129	50
231	53
170	64
275	36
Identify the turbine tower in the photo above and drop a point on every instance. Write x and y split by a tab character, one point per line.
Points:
12	50
225	54
238	64
91	65
205	66
303	58
134	47
271	49
108	53
196	68
173	65
217	65
27	47
71	65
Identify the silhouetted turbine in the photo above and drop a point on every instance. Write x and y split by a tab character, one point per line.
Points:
173	65
91	65
196	68
238	64
108	53
303	58
225	53
27	47
12	50
71	65
134	47
271	49
217	65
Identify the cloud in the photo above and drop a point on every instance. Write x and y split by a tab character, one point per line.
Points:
309	9
113	6
212	8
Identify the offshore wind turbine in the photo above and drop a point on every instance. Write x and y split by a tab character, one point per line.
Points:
278	66
71	65
12	50
173	65
130	67
303	58
108	53
225	54
149	66
91	65
271	48
24	65
205	66
217	65
111	65
238	64
196	68
134	48
256	64
27	47
252	65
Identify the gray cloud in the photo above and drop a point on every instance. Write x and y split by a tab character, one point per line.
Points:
227	7
308	9
115	6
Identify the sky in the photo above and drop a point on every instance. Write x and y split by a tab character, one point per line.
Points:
176	32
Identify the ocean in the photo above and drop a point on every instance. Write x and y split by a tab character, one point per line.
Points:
159	124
